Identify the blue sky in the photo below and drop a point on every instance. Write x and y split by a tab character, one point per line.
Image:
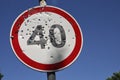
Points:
100	24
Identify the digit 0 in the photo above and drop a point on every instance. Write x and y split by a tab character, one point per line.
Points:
54	39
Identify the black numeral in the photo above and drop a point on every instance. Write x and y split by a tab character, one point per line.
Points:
39	32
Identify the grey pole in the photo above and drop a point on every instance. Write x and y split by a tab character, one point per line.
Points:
51	76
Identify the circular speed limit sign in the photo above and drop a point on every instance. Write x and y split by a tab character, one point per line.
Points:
46	38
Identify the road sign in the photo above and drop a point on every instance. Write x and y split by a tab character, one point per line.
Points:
46	38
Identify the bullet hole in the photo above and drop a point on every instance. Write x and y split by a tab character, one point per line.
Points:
27	29
29	15
48	26
48	47
68	30
33	31
25	17
46	37
29	33
38	19
69	45
34	18
18	25
31	38
28	21
12	37
45	21
26	33
33	27
60	17
22	31
22	37
51	57
16	32
25	24
49	19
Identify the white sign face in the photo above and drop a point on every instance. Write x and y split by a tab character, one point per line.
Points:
46	38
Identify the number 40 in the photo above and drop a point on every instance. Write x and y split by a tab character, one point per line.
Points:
39	32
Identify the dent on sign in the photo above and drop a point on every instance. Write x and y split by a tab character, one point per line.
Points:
46	38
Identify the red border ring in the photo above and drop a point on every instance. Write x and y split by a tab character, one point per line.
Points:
46	67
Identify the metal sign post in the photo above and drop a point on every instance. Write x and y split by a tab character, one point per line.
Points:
51	76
